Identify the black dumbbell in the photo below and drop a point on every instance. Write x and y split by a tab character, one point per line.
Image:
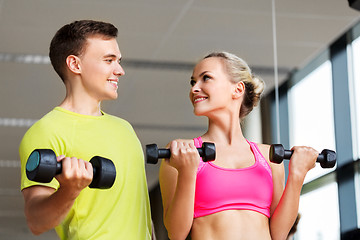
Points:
42	166
153	153
327	158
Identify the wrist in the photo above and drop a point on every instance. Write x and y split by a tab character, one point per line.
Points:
187	175
296	177
68	193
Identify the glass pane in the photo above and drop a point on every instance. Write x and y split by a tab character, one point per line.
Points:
356	71
356	109
311	118
319	210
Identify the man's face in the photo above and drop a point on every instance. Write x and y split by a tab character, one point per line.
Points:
100	68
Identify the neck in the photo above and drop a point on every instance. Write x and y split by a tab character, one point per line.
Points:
79	102
224	128
84	109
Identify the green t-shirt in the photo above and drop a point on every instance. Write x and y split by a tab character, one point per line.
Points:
121	212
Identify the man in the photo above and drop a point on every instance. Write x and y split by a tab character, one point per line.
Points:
86	56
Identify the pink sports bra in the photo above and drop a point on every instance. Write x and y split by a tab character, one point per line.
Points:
219	189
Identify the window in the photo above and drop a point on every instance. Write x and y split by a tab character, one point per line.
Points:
319	210
311	119
356	96
355	91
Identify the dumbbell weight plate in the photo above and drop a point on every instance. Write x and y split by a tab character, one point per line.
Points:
33	161
104	173
42	166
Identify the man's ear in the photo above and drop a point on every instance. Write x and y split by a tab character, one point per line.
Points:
73	64
239	90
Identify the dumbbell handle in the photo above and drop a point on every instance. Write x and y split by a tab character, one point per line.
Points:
59	169
153	153
165	153
327	158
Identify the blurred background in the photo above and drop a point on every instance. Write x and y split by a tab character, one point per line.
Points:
316	103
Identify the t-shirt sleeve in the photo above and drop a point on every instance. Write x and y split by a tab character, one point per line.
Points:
34	138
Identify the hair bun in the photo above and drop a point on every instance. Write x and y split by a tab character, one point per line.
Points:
259	84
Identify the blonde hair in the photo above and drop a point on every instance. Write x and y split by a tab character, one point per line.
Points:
239	71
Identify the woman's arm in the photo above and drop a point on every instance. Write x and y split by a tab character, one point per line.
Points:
285	204
177	178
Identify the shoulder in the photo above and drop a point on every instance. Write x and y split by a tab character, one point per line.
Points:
42	125
51	120
180	141
45	133
184	140
277	169
264	149
118	121
116	124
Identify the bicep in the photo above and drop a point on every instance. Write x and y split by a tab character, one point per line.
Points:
168	181
168	177
278	174
34	192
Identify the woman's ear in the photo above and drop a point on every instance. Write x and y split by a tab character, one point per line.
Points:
73	63
239	90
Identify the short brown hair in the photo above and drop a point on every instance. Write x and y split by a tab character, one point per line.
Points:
71	40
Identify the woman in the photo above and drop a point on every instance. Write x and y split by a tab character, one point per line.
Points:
241	194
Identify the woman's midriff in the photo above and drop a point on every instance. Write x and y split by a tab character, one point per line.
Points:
231	225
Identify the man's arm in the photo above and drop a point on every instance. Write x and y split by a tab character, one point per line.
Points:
45	207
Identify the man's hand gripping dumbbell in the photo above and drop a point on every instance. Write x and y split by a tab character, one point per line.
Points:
42	166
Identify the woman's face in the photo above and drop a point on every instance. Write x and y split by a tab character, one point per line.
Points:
212	89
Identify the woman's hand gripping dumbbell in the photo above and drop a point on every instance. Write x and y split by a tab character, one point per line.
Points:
42	166
153	153
327	158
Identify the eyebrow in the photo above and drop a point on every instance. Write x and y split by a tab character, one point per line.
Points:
201	74
111	55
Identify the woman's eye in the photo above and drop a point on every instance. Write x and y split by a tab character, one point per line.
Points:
206	77
192	82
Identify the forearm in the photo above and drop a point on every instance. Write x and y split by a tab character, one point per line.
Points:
44	212
286	211
179	216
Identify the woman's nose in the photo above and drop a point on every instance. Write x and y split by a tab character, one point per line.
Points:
195	88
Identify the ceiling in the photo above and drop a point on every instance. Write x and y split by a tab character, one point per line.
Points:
160	41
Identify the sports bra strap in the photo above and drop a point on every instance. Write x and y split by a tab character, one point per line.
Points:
259	157
198	143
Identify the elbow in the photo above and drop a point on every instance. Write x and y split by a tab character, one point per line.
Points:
178	235
178	230
278	235
37	228
34	229
175	234
279	238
